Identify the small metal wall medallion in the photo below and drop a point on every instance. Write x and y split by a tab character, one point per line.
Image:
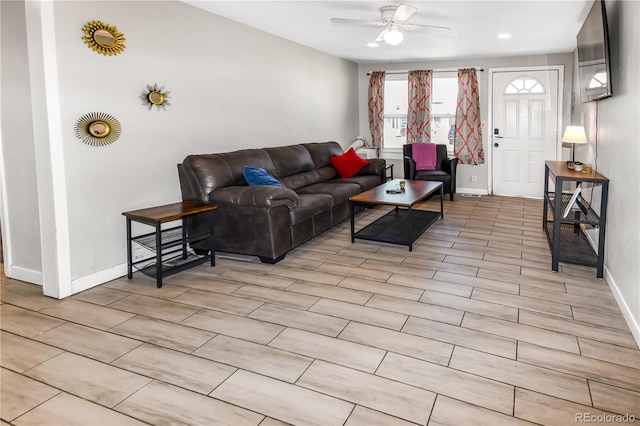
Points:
98	129
155	95
103	38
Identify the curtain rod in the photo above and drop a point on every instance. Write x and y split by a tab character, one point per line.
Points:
435	71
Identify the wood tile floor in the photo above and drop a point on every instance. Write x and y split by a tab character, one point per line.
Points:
470	328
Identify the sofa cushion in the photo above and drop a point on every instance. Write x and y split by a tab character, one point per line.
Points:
339	191
435	175
255	196
321	152
349	163
236	160
207	172
300	180
289	160
259	176
310	205
366	182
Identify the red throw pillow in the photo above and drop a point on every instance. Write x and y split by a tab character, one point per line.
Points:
348	164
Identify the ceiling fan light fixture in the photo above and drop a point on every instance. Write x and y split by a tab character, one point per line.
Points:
393	36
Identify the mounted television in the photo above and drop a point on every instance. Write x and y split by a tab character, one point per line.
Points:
593	55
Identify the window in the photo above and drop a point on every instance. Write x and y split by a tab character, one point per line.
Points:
443	111
598	80
524	85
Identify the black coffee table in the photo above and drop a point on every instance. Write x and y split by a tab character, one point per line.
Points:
403	225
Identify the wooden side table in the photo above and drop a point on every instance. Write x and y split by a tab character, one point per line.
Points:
169	245
567	240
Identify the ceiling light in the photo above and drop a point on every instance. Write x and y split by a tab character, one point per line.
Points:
393	36
372	44
504	35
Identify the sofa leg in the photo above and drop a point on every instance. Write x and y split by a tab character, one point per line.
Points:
265	259
451	196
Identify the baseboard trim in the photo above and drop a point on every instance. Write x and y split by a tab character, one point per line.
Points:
632	322
472	191
23	274
78	285
89	281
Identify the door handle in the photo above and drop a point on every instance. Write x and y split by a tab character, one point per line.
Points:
497	137
496	144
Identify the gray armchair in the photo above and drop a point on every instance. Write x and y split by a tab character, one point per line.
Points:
445	171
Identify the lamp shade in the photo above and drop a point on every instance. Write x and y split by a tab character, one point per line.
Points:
574	134
393	36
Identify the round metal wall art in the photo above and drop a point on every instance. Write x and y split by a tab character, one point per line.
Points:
98	129
155	95
103	38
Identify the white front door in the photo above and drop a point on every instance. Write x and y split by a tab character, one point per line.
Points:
524	129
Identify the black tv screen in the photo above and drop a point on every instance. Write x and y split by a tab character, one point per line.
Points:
593	55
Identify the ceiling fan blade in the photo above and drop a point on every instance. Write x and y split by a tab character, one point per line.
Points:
381	35
432	29
404	12
362	22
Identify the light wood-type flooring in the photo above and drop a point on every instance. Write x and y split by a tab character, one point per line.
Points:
470	328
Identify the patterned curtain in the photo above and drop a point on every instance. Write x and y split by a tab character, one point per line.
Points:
376	108
419	113
467	144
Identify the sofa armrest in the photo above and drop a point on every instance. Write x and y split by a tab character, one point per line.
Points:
449	165
409	168
255	196
375	167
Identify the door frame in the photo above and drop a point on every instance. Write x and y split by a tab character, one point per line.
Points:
560	69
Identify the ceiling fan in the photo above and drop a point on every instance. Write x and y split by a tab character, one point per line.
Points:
393	18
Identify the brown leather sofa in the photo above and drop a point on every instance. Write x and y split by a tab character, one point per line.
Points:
269	221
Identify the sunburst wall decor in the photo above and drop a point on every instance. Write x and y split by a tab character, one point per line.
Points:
103	38
155	95
98	129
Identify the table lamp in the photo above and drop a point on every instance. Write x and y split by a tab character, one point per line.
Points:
574	135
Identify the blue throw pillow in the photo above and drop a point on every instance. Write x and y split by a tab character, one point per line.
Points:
259	176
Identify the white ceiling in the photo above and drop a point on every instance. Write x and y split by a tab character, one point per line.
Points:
540	26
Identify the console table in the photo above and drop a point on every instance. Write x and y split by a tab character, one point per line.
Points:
565	234
169	245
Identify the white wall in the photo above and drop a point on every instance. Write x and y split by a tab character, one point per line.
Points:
19	212
464	171
618	155
232	87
